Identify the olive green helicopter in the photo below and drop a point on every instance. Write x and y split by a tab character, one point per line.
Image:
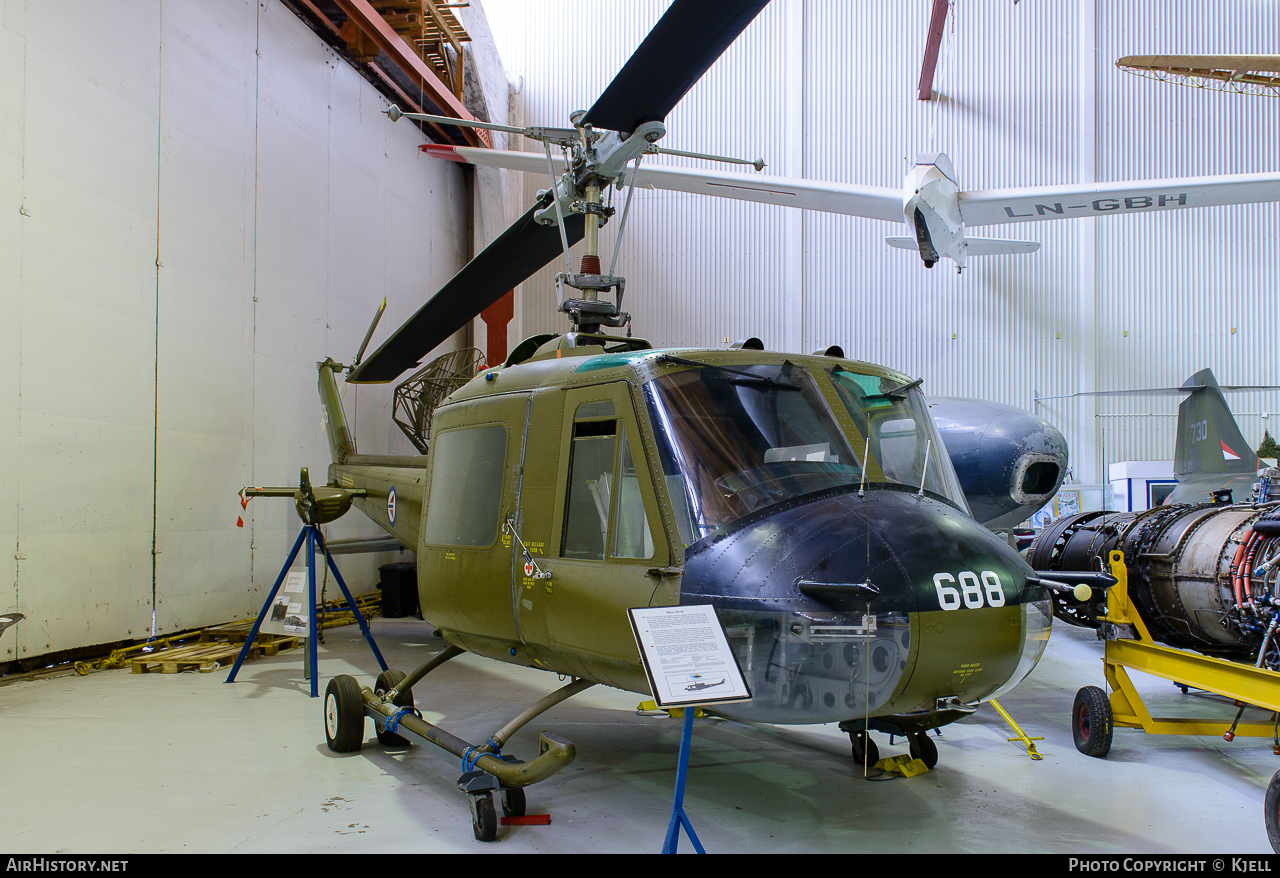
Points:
809	498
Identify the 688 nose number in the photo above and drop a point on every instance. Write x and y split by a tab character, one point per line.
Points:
971	591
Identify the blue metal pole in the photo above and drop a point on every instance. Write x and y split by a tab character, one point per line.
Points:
311	587
253	633
678	817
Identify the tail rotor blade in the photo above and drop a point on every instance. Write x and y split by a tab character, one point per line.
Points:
369	335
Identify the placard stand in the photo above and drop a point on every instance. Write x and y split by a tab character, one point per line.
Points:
678	817
688	663
313	537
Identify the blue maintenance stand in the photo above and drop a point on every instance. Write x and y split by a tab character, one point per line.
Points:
678	817
310	534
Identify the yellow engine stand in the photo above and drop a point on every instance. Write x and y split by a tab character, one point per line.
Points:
1259	687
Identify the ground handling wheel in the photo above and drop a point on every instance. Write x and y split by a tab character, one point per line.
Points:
387	681
1091	722
484	817
864	748
1271	812
513	802
343	714
923	748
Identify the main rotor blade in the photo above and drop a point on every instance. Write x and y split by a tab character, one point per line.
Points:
875	202
687	40
522	249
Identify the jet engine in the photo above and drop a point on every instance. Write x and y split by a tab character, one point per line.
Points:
1201	577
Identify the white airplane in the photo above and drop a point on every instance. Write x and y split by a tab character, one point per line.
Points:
937	212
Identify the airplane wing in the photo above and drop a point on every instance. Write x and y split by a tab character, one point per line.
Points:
875	202
977	208
1036	203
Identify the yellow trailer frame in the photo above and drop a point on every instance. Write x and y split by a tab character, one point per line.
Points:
1246	684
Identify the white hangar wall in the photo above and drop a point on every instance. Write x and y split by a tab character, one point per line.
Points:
198	201
1025	94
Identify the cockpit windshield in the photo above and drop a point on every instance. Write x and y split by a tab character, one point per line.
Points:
733	440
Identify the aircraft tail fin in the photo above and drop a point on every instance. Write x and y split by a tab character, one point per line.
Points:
341	446
1209	440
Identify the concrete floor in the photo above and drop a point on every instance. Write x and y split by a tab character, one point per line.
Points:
129	763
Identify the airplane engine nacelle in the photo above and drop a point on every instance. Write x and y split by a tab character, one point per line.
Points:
1201	577
1009	462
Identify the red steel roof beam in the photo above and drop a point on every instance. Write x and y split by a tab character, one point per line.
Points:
937	24
369	21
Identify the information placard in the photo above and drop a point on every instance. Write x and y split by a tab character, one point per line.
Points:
289	610
687	656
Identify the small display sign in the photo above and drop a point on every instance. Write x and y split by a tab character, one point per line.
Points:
687	656
289	614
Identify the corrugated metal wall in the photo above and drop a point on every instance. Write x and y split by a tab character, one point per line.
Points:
1025	94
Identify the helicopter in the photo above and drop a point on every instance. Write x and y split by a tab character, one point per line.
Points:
809	498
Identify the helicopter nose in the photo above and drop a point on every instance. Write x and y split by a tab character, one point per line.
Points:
840	606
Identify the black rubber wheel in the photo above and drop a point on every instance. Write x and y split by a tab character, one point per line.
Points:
923	748
513	802
864	749
387	680
1271	812
343	714
484	817
1091	722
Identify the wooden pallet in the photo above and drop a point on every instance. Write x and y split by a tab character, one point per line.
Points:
238	632
202	657
207	657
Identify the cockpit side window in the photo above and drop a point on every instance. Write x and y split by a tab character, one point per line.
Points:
603	490
899	434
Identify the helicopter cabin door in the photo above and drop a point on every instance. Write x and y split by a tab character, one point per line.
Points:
607	533
464	558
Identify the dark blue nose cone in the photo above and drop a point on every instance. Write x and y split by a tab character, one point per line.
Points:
890	537
822	598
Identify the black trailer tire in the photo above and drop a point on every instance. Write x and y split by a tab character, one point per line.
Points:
484	817
343	714
1271	812
1091	724
923	748
387	681
513	802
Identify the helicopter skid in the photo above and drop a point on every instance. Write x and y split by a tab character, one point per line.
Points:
554	752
